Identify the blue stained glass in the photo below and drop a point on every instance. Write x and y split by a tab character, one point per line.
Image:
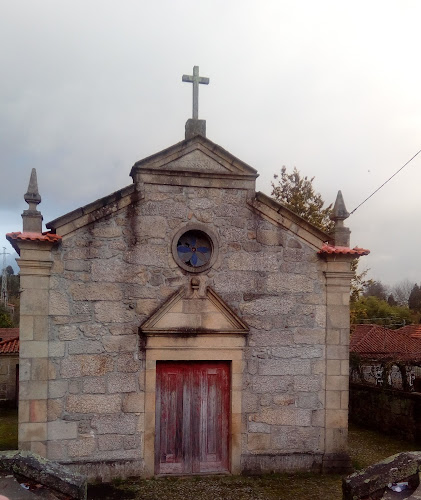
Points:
185	257
194	248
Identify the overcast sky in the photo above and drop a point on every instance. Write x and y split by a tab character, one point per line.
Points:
331	87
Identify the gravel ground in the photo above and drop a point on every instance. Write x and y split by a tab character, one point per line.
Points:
366	447
276	486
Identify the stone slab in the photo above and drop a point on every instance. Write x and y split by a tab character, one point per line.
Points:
11	488
43	471
374	479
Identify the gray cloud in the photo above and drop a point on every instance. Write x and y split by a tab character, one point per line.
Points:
330	87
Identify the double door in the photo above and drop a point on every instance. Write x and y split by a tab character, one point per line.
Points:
192	417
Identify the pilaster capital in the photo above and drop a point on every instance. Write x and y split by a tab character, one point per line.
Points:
335	279
34	267
348	275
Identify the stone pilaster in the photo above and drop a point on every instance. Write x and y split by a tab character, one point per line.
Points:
338	282
35	265
34	249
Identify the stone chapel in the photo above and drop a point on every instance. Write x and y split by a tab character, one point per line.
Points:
184	324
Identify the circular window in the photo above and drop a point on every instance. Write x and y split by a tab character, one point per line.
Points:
194	249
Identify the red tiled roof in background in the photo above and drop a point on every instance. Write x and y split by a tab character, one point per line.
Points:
412	330
378	342
358	332
10	346
331	249
8	333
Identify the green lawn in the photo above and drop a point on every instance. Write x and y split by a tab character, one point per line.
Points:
365	447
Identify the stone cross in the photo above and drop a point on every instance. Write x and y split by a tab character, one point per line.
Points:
195	80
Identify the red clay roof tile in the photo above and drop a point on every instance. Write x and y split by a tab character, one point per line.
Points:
32	236
331	249
10	346
380	343
8	333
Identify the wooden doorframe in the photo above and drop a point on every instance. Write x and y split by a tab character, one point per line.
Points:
201	347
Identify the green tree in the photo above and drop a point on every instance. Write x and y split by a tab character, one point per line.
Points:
5	319
374	310
391	300
376	289
414	300
359	282
297	194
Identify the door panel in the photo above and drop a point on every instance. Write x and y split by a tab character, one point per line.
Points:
192	409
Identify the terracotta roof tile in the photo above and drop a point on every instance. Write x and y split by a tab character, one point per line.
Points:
382	343
8	333
358	332
10	346
411	330
331	249
31	236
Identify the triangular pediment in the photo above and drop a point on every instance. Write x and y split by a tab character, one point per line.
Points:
198	154
189	312
197	160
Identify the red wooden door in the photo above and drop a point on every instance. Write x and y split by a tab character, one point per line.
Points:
192	409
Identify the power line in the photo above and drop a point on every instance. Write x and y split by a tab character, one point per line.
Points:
384	183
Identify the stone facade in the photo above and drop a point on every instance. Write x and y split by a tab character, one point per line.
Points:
99	311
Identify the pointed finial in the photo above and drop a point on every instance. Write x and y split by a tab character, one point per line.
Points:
341	234
32	219
32	196
339	210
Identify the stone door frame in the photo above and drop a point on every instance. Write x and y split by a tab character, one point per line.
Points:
200	347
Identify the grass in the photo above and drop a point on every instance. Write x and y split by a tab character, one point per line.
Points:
8	429
365	447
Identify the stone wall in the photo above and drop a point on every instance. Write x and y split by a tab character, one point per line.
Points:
389	410
111	275
8	389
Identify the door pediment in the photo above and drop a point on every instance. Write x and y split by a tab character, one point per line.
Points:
189	312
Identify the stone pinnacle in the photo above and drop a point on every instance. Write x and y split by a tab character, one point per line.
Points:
32	196
339	210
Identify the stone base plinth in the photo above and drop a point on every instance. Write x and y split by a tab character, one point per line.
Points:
106	470
269	463
336	463
195	127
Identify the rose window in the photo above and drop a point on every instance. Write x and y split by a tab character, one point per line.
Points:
194	249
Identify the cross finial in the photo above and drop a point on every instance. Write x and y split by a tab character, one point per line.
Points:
195	80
